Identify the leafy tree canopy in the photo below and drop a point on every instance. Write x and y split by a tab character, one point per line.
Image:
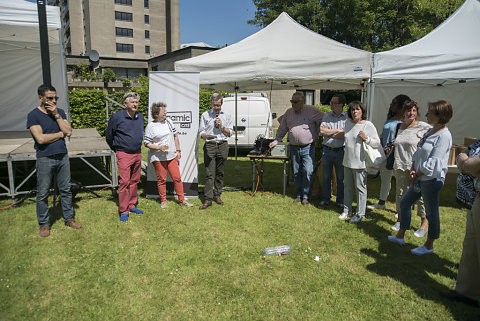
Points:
373	25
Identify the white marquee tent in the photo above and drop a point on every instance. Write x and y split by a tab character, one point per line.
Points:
20	61
445	64
283	55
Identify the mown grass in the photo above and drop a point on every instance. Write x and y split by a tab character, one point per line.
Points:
183	264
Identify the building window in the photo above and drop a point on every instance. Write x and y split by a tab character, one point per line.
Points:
124	32
145	4
147	19
124	47
147	34
147	49
309	96
125	2
123	16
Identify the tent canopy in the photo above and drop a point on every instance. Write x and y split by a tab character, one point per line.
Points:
445	64
452	50
20	61
283	55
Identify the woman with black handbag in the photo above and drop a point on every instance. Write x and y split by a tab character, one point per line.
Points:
409	134
387	137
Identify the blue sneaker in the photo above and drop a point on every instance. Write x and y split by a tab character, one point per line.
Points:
124	217
136	210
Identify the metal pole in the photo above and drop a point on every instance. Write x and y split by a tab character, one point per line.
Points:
42	24
236	121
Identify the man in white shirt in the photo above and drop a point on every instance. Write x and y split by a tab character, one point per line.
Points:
215	127
333	130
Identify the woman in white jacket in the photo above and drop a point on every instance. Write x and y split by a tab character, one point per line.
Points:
357	131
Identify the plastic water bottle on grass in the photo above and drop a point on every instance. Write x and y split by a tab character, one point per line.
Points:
276	250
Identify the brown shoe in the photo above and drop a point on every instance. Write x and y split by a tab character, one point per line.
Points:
297	200
45	231
218	200
73	224
206	204
304	201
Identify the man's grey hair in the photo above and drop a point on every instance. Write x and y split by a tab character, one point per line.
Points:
129	95
216	96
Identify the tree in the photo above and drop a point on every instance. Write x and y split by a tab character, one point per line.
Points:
373	25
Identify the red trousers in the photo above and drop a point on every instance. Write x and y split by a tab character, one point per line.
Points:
161	169
129	169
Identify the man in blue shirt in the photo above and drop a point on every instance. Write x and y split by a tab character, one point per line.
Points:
124	136
49	127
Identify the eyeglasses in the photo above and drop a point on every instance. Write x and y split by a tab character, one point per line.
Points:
294	101
52	98
334	103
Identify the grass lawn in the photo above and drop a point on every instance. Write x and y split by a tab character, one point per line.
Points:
183	264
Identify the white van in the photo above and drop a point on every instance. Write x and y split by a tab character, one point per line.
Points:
254	118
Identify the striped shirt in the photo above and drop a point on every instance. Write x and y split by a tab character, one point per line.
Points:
334	121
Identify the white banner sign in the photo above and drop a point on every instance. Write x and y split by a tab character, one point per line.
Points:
180	91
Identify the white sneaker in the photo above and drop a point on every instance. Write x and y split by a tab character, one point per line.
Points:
186	203
395	226
395	239
376	207
344	216
356	219
163	205
396	215
421	250
420	232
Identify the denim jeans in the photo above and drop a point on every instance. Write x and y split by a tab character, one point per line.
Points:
55	167
302	162
430	191
332	158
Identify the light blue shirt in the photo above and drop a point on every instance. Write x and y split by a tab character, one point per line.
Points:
431	157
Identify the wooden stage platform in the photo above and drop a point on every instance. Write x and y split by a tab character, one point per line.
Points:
84	143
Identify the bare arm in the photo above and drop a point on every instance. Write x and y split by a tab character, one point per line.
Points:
469	165
42	138
177	146
64	125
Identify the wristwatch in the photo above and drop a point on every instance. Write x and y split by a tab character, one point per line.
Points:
57	116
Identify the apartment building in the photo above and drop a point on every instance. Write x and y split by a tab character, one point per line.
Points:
131	29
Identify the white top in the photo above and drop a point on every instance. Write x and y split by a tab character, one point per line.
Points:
431	157
406	144
160	134
353	156
207	125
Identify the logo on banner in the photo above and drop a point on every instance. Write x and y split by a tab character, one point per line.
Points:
182	119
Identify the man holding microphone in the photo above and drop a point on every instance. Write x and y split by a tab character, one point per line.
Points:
215	127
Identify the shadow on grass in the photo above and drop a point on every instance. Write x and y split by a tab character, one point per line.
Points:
396	262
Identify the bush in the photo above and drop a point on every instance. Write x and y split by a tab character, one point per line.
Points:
82	71
108	75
